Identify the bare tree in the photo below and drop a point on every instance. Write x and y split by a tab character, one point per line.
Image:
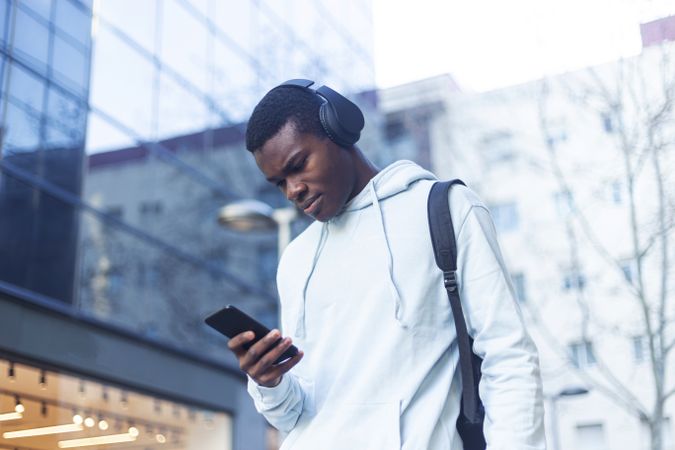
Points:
634	100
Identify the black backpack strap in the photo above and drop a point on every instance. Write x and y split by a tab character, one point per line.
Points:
445	252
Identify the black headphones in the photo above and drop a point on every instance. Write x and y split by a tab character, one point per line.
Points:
341	119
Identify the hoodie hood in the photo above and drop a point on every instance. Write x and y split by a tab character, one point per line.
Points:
391	180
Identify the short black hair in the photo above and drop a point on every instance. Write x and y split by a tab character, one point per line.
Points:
279	106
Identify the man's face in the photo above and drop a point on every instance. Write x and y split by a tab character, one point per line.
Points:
314	173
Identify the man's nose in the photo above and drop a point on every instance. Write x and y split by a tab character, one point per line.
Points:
295	190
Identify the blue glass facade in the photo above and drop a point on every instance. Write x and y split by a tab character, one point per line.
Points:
45	55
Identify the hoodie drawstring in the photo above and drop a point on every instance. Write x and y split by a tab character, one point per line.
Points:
390	258
300	325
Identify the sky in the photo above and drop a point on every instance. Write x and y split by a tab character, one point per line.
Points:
488	44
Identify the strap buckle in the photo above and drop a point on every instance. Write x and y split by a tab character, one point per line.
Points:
450	280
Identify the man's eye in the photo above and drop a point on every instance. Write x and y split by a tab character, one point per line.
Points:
300	165
280	184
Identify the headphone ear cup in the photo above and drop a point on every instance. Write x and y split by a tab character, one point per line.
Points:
332	127
327	119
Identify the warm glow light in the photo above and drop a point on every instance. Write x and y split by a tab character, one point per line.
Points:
19	408
89	422
102	425
56	429
77	419
10	416
98	440
160	438
133	431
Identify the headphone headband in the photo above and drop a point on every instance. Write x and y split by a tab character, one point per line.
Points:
341	119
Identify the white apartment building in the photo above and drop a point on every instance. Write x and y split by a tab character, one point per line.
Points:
547	158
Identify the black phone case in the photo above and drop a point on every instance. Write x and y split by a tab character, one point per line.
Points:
231	321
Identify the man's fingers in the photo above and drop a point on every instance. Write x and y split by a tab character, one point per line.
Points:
272	355
277	371
263	345
258	360
257	350
236	343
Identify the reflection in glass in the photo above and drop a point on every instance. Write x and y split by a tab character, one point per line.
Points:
139	26
73	20
65	108
122	90
38	233
101	134
22	130
31	41
3	91
3	25
41	7
66	121
186	55
70	65
181	111
26	88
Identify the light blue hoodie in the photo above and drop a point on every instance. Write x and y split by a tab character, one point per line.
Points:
364	299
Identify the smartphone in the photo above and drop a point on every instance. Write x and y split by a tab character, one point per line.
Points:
231	321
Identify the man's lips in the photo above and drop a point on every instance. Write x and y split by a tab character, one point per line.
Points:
309	206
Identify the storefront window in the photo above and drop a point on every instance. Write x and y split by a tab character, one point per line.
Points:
47	410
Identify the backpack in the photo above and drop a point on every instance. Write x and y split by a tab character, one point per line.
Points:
472	413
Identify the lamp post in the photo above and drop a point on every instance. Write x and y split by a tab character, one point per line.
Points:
254	215
564	393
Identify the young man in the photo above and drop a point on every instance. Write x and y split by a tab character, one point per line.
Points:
362	297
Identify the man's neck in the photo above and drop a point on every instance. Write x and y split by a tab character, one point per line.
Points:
365	171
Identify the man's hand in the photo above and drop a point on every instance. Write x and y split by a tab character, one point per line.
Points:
258	362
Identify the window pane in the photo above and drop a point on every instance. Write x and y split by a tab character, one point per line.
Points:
70	65
22	130
590	354
187	56
66	109
41	7
2	94
73	20
519	286
574	353
139	26
505	216
638	348
88	4
180	112
122	90
66	123
26	88
3	24
31	41
591	437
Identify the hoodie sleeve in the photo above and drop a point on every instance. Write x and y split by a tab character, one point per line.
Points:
281	405
510	386
284	404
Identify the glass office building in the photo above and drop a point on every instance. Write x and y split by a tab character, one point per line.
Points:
105	281
44	67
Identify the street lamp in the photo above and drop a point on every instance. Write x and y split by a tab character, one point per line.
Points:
254	215
573	391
